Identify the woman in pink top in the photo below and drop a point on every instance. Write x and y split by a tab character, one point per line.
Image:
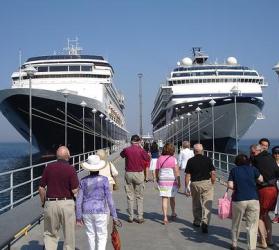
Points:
168	178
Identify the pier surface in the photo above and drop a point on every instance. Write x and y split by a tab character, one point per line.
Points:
152	234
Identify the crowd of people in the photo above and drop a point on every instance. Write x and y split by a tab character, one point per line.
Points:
253	182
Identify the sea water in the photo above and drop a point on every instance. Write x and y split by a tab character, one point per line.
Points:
16	155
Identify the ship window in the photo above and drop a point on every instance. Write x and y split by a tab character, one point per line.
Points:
86	68
200	80
250	73
74	68
42	69
58	68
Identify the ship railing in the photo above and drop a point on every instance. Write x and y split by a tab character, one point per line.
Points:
223	163
19	185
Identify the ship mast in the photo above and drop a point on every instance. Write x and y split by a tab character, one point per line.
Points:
73	47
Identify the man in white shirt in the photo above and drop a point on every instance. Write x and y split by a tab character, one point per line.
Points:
185	154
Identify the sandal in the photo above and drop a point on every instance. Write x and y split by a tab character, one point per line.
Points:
173	217
260	245
165	222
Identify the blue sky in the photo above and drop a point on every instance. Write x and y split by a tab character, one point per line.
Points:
147	36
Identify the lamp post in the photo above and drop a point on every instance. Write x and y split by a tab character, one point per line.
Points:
140	75
182	128
189	128
94	111
173	131
235	92
30	71
198	113
176	130
212	103
111	135
66	93
101	134
83	105
107	119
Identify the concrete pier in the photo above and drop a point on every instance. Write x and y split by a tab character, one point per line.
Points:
152	234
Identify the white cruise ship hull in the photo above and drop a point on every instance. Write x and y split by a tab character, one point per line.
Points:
48	120
247	109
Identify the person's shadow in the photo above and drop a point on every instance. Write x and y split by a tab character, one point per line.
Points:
35	245
32	245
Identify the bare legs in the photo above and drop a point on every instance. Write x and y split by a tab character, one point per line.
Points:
153	175
165	208
265	230
146	174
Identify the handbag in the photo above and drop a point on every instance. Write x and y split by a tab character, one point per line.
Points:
115	236
116	183
225	206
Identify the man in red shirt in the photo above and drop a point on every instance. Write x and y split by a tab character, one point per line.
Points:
57	188
134	176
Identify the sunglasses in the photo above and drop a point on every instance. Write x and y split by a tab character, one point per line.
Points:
276	153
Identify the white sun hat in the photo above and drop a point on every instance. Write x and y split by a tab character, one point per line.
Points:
94	163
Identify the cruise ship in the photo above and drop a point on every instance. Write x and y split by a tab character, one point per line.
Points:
200	101
74	102
276	68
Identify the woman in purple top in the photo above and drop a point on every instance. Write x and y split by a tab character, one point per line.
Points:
168	177
93	200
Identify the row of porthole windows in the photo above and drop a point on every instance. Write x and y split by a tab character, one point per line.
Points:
64	76
173	82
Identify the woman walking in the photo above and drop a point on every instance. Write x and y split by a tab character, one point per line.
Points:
275	154
146	163
245	200
154	150
267	191
92	200
167	173
109	170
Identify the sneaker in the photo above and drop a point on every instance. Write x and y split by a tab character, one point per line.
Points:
204	228
275	220
196	224
139	221
130	220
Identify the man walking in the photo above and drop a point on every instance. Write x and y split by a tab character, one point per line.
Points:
185	154
201	172
134	177
57	187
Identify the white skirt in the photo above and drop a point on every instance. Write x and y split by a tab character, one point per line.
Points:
167	183
153	164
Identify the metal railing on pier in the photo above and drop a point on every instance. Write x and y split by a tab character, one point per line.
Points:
223	163
22	184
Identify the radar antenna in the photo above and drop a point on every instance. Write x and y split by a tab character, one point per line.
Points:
73	47
199	56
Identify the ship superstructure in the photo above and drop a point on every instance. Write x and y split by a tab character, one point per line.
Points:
61	86
182	108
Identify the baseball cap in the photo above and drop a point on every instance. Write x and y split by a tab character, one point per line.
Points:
275	150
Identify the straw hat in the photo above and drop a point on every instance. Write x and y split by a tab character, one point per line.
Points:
94	163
